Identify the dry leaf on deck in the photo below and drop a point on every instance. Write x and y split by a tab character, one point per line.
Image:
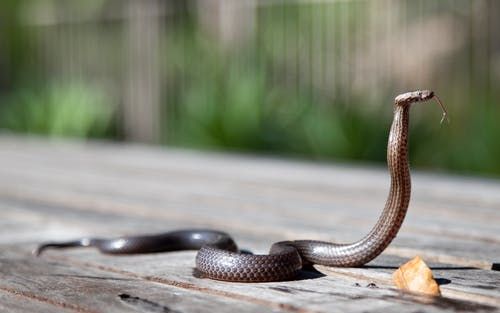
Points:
416	276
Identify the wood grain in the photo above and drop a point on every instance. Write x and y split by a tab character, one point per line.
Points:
85	289
62	190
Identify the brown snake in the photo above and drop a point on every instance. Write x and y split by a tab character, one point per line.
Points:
218	257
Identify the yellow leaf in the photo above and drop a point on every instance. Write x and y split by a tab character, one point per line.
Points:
416	276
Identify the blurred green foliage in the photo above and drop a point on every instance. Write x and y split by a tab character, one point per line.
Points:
58	110
229	100
253	98
232	101
225	109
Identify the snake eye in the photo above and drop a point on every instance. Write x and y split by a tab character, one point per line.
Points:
425	95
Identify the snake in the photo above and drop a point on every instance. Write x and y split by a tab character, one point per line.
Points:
218	256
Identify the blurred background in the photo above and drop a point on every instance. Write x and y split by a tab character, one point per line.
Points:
302	79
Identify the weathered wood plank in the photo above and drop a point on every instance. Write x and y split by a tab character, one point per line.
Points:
309	295
13	301
154	163
181	264
332	292
85	289
333	182
274	224
463	282
68	190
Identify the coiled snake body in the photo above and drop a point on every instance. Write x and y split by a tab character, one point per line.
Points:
218	256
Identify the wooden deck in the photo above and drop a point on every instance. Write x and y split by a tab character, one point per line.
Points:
59	191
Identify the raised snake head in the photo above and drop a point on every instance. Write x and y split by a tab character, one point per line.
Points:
414	96
419	96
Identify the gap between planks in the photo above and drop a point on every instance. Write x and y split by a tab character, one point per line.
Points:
462	296
79	287
410	228
367	276
133	210
181	284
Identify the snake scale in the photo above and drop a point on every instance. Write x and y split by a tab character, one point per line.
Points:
218	256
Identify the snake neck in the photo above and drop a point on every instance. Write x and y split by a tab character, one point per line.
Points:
388	224
398	200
